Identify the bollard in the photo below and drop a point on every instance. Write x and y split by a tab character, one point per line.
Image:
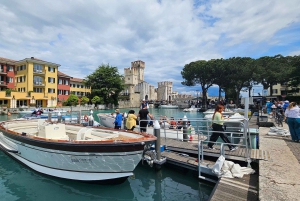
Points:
49	116
185	129
91	119
157	143
59	117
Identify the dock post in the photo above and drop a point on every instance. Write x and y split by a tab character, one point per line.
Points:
79	117
59	117
49	116
157	143
185	130
124	121
91	118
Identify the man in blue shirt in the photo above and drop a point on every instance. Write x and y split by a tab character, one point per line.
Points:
285	105
118	119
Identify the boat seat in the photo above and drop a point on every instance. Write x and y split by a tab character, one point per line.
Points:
53	131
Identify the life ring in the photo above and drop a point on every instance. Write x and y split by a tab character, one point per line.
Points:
86	118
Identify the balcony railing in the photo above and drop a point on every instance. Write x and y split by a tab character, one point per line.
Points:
3	83
2	71
38	71
38	84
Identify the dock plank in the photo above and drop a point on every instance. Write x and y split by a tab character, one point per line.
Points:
236	189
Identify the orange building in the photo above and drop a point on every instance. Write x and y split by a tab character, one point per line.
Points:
63	87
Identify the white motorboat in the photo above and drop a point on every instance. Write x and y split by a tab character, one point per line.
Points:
191	109
72	151
168	106
107	120
44	111
227	117
225	112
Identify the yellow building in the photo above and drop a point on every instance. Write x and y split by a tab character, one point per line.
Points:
78	88
36	83
283	90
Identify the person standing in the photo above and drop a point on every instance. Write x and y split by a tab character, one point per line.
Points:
118	119
143	115
144	103
217	126
292	115
269	107
131	120
285	105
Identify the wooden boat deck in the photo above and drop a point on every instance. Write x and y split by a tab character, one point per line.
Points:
192	148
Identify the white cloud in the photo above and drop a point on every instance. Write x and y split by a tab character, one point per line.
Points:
81	36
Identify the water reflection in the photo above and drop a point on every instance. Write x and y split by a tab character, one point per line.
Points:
18	182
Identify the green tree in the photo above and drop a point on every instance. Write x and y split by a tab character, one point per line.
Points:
72	100
97	100
273	70
240	73
198	72
84	100
106	82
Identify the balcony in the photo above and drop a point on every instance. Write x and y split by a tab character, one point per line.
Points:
38	84
40	72
2	71
3	83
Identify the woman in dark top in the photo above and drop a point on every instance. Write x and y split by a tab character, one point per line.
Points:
143	115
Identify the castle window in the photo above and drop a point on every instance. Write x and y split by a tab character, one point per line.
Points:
128	78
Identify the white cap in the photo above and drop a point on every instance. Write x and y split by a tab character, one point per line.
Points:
143	99
286	101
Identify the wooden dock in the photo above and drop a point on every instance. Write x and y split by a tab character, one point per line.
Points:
236	189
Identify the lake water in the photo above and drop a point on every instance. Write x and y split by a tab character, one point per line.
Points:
18	182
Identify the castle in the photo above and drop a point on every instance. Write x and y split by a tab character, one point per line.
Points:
137	89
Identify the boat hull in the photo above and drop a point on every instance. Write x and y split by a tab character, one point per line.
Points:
83	162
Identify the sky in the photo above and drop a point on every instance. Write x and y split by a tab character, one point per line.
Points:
80	35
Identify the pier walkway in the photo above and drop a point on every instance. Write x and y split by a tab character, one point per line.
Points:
279	179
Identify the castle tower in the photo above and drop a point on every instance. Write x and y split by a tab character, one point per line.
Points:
164	91
139	66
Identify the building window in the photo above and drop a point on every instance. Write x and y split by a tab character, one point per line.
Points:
21	89
10	79
37	80
60	81
51	80
21	79
59	92
23	67
275	91
38	90
37	68
10	68
66	82
51	69
82	86
66	92
78	86
51	90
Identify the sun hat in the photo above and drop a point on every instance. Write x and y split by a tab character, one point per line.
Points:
117	111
